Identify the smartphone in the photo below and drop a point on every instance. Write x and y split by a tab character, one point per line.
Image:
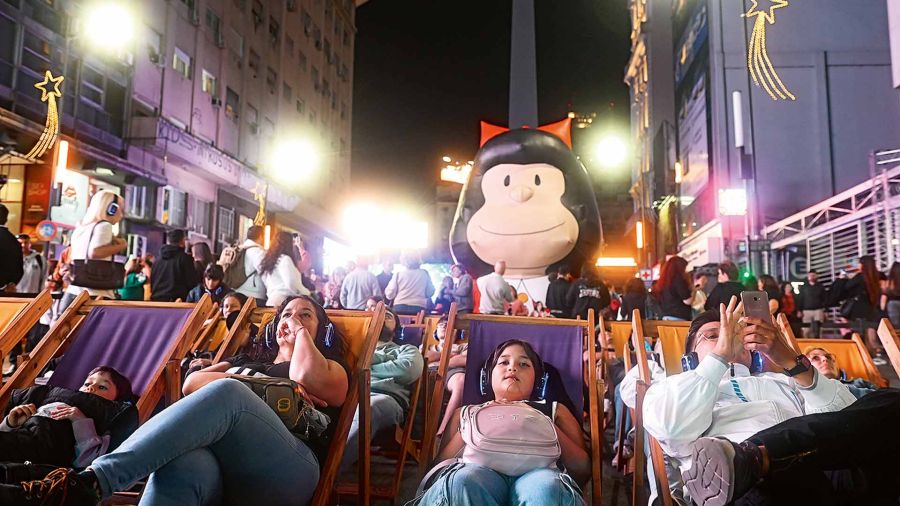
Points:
756	305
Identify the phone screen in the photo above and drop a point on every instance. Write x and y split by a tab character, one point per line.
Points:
756	304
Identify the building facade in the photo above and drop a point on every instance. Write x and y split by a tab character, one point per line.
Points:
788	154
182	122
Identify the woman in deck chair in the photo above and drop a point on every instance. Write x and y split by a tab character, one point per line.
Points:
542	466
222	444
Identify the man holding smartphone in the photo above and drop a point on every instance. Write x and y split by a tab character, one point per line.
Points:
734	432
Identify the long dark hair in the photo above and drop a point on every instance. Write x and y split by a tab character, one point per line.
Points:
527	146
674	268
871	276
894	279
635	286
282	245
770	286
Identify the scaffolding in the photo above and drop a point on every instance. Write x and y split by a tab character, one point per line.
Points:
863	220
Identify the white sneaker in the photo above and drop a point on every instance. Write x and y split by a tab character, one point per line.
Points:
879	360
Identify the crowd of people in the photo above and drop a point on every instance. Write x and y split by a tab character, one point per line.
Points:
733	432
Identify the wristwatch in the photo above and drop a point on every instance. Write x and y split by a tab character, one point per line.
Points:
802	365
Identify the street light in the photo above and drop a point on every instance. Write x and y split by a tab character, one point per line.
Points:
611	151
293	161
109	25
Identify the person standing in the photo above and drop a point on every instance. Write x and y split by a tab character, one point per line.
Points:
135	278
410	289
890	300
359	285
174	273
859	289
557	292
634	296
387	273
202	257
445	296
93	239
811	303
727	286
34	268
253	253
462	289
675	293
11	262
494	290
588	292
279	271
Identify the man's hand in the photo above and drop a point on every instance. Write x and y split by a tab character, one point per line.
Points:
432	356
728	346
66	412
201	362
19	414
765	337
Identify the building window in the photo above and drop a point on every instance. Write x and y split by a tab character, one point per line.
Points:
226	226
253	62
198	215
312	118
214	24
343	148
287	92
328	56
301	106
209	84
289	46
271	80
236	45
154	45
317	37
232	103
343	110
315	78
307	22
302	59
240	5
252	119
256	12
181	62
92	84
35	54
347	37
274	32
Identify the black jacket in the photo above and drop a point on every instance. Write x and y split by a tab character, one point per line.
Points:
11	262
557	293
722	294
854	289
46	441
584	295
812	297
173	275
198	291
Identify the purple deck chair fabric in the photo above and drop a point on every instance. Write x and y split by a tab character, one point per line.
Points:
411	335
559	346
134	341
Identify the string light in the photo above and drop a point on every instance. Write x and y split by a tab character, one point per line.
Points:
51	125
758	63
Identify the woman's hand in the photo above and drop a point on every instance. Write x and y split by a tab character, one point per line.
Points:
729	346
66	412
19	414
200	362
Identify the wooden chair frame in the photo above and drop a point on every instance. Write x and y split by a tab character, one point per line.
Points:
239	333
416	319
17	329
166	381
213	318
457	321
657	459
888	336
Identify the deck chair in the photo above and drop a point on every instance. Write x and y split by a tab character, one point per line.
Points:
559	342
239	335
671	343
639	497
17	316
212	333
143	340
400	438
620	331
361	329
851	355
891	344
414	319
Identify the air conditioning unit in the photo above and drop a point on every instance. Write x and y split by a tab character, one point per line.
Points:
139	202
137	245
216	102
171	208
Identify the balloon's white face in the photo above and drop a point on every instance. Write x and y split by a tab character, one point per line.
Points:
523	220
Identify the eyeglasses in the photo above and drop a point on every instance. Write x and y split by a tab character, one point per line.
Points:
826	356
710	337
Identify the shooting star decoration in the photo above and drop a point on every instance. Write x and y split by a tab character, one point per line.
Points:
51	126
758	61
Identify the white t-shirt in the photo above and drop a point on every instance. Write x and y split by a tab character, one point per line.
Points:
283	282
102	236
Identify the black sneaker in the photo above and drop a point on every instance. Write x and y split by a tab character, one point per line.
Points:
722	471
60	487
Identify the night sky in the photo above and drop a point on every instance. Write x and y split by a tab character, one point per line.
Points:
427	72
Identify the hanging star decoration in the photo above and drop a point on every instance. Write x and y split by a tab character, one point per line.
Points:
49	92
758	62
260	196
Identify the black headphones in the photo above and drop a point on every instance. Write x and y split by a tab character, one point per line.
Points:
484	384
690	361
113	207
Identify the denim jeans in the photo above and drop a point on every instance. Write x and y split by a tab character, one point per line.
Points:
386	412
473	485
406	309
221	444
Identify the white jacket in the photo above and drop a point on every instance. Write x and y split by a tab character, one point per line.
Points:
283	281
680	409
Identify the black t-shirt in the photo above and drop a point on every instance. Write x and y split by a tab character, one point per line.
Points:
671	302
722	294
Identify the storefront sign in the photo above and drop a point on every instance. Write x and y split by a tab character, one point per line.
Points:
198	153
703	248
46	230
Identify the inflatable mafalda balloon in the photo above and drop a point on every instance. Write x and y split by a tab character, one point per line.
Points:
530	202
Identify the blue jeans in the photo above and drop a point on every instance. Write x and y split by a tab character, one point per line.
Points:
473	485
621	410
221	444
386	412
673	319
406	309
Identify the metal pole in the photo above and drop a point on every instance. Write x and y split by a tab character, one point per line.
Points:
523	106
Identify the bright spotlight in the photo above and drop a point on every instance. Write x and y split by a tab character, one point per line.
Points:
293	161
611	152
109	25
447	159
732	202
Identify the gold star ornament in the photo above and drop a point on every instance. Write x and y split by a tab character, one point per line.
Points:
48	80
770	15
758	62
